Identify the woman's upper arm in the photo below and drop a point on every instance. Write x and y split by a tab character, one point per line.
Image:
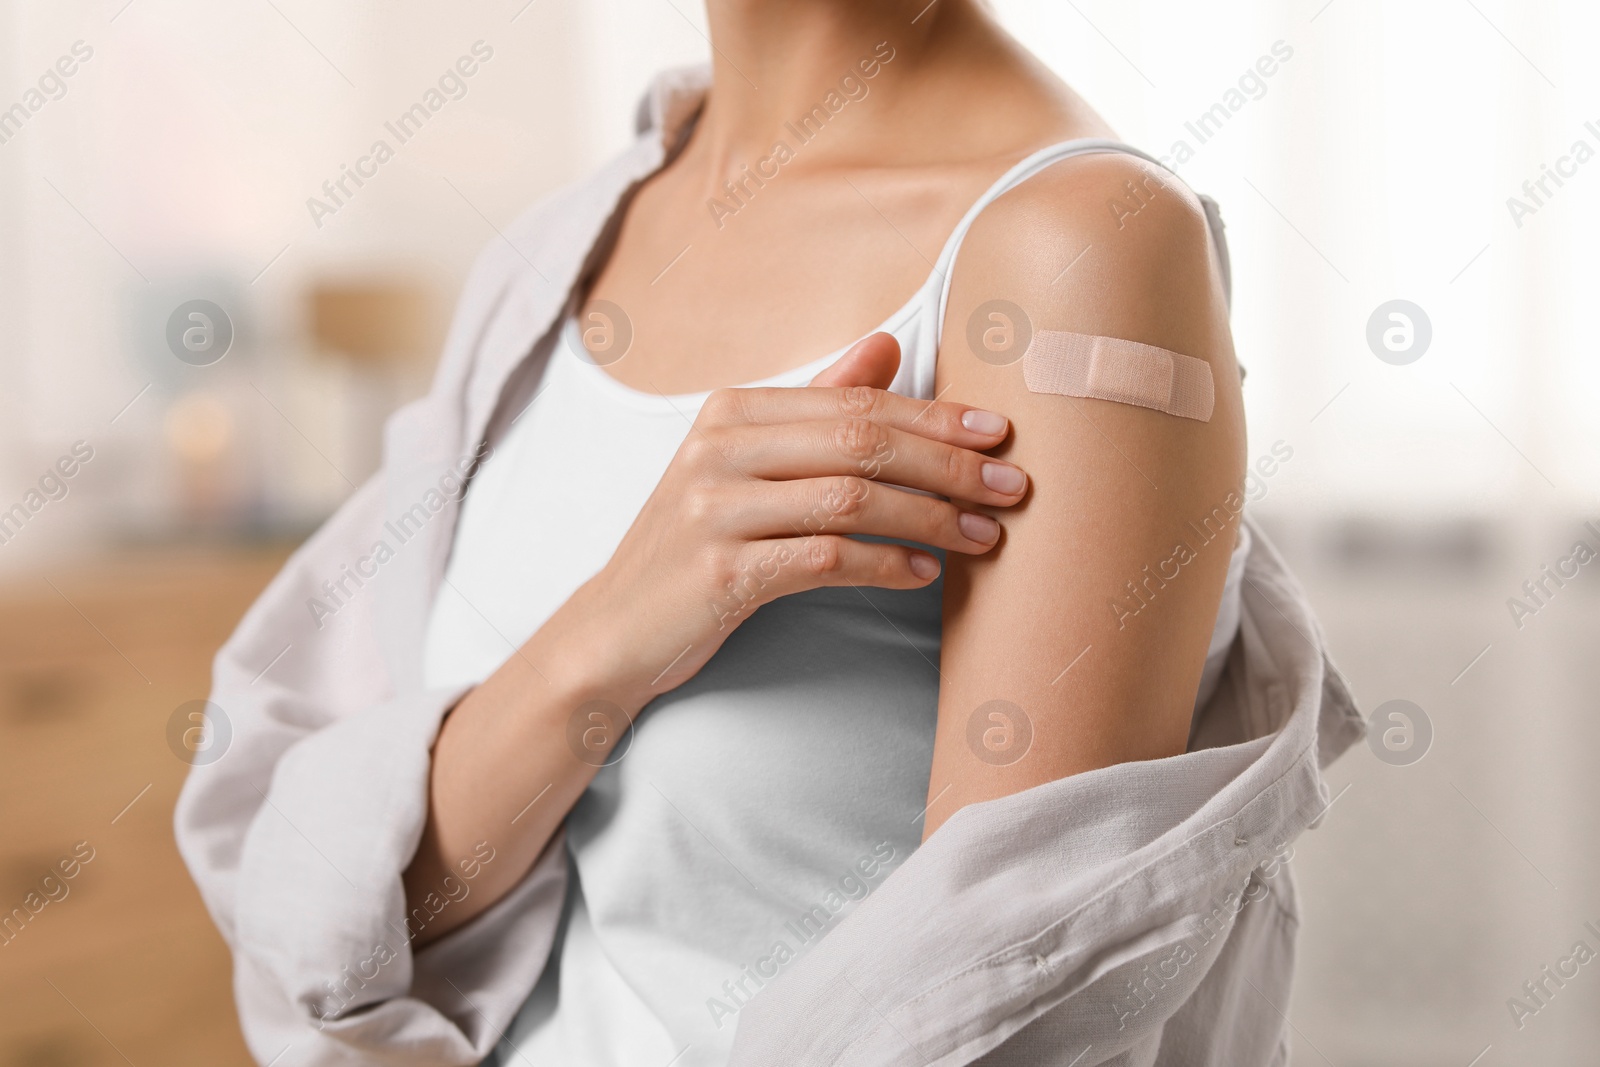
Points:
1090	621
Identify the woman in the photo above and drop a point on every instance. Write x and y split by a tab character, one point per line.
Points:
724	649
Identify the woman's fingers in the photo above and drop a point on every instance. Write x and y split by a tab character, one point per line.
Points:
871	361
850	505
957	424
867	449
782	566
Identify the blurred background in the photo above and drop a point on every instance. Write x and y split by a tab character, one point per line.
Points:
156	163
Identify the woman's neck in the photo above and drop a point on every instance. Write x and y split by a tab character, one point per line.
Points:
775	63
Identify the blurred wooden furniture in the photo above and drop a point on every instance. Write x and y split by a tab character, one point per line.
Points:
94	659
377	321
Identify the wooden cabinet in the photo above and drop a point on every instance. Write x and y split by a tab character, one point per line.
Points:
125	965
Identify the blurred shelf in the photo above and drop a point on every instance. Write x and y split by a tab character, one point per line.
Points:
93	661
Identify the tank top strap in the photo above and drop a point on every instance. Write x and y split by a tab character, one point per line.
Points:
1038	161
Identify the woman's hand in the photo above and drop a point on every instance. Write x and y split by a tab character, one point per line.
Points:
757	504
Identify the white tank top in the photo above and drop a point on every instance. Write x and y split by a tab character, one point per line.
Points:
759	801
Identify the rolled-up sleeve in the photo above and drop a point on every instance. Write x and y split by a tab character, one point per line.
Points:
299	832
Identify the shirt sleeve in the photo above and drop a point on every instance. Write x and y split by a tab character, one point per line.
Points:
299	819
1069	924
298	833
298	822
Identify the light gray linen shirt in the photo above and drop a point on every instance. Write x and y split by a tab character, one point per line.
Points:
1140	914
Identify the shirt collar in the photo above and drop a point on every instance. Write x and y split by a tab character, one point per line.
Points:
673	98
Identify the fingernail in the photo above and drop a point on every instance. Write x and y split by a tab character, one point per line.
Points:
980	528
1003	478
924	566
985	422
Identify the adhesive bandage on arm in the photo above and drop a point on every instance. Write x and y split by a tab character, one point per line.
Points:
1107	368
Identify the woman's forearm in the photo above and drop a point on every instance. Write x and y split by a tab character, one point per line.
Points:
504	777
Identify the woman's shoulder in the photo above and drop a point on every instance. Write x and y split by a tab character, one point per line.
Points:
1083	211
1096	240
1098	220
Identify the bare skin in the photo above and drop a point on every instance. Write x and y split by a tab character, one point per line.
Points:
854	222
819	255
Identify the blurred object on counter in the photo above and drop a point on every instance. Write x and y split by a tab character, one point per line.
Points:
200	434
386	332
